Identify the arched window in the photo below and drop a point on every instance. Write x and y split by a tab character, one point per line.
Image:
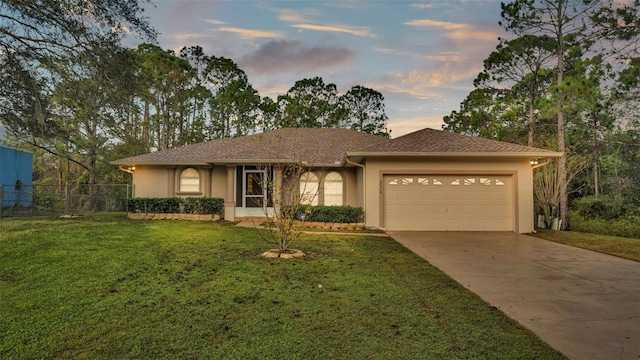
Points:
189	180
333	189
309	189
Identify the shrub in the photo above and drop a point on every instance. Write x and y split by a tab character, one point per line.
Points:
175	205
333	214
601	207
625	226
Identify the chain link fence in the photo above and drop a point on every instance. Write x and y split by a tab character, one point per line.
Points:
42	200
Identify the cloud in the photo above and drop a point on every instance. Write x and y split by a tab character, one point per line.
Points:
188	37
435	77
421	6
251	33
214	22
434	23
446	56
301	19
458	31
295	16
417	91
430	83
285	56
357	31
402	126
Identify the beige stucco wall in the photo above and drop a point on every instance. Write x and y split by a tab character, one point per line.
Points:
162	181
351	187
219	181
150	181
520	169
350	184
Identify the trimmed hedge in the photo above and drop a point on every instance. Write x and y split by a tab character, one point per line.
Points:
176	205
331	214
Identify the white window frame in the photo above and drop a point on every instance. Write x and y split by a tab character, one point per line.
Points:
333	177
308	192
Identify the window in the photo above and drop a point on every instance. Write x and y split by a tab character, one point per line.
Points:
309	189
469	181
333	189
407	181
189	180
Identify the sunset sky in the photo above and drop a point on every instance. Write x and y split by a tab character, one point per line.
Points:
422	56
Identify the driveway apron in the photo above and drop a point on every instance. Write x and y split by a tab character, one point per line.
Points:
582	303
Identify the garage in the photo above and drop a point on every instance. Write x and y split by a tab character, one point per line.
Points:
428	202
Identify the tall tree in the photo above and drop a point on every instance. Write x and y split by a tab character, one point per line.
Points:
219	73
560	20
39	34
523	63
365	111
200	94
166	97
310	103
239	103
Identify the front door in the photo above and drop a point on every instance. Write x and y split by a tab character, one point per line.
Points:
255	188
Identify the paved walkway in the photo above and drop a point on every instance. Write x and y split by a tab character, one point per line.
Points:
585	304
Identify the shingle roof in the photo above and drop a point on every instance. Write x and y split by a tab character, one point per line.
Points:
319	146
430	141
328	147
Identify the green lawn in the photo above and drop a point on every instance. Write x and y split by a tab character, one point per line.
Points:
627	248
104	286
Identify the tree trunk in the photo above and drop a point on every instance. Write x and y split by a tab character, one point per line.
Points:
596	179
531	121
562	162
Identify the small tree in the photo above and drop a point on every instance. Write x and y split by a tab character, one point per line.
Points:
284	187
283	182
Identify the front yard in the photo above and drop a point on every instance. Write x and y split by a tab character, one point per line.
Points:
104	286
626	248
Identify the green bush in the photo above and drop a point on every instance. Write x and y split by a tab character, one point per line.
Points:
333	214
601	207
175	205
625	226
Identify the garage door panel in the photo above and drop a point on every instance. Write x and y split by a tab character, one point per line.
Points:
448	203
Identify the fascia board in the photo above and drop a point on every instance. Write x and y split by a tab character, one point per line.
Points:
538	155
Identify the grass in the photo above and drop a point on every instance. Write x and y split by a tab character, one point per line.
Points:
107	287
626	248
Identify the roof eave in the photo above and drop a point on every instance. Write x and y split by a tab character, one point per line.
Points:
272	162
159	163
537	155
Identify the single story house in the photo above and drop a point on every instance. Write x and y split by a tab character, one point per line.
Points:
428	180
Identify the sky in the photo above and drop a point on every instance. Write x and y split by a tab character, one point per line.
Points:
421	55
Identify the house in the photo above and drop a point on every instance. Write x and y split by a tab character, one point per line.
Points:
427	180
16	172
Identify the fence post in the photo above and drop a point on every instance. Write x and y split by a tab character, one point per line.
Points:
68	200
33	199
1	199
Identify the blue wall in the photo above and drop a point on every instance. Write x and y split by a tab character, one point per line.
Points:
16	165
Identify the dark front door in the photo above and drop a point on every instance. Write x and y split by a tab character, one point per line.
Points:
255	188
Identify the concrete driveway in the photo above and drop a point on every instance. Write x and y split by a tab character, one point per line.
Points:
582	303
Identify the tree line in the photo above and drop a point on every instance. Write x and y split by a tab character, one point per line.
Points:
72	92
568	79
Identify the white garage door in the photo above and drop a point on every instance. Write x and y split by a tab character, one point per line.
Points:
448	202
